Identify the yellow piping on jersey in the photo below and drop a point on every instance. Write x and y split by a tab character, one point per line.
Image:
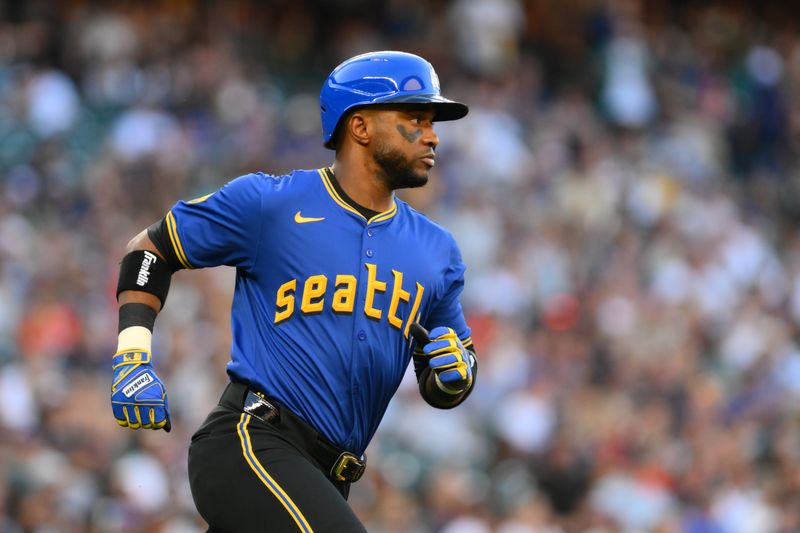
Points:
200	199
380	217
172	229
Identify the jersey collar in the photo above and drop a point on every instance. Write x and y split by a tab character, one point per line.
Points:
325	174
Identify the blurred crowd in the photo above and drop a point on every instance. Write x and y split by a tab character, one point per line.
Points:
625	190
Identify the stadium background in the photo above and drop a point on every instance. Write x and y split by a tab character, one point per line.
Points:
625	191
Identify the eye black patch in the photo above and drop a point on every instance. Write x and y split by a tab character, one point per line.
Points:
412	136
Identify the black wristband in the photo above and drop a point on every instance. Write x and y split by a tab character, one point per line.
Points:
143	270
136	315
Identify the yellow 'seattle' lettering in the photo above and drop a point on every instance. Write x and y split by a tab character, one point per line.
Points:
314	291
373	286
285	301
412	316
398	294
314	294
344	298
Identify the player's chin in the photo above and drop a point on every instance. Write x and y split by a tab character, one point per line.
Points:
421	175
408	177
416	180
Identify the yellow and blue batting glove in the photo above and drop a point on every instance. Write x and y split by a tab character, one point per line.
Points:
138	397
450	362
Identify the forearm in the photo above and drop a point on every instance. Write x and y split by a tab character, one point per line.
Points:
141	242
143	266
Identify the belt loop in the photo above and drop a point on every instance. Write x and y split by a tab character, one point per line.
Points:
258	406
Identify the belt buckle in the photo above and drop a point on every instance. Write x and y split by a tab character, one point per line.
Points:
258	406
348	467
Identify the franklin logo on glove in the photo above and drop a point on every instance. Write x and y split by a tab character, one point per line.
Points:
141	381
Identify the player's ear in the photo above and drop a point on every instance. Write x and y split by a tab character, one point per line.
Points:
359	127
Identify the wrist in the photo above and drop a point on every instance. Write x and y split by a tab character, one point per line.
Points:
136	321
135	338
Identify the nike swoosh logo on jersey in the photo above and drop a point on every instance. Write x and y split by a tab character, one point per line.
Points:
300	219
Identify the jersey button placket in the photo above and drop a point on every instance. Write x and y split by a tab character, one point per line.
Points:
369	252
362	335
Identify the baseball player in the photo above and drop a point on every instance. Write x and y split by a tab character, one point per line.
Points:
336	283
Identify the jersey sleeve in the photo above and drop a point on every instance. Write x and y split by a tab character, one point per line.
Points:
222	228
447	310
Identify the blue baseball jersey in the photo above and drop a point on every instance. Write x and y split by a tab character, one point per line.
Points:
324	297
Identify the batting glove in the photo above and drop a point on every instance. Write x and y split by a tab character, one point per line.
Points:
450	362
138	398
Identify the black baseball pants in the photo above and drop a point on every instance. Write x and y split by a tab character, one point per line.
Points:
247	475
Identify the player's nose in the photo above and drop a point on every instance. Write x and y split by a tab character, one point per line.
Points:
430	138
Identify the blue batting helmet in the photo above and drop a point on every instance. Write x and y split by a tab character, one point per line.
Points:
382	78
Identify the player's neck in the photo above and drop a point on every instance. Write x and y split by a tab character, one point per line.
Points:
363	186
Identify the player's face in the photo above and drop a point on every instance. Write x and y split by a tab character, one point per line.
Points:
405	145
